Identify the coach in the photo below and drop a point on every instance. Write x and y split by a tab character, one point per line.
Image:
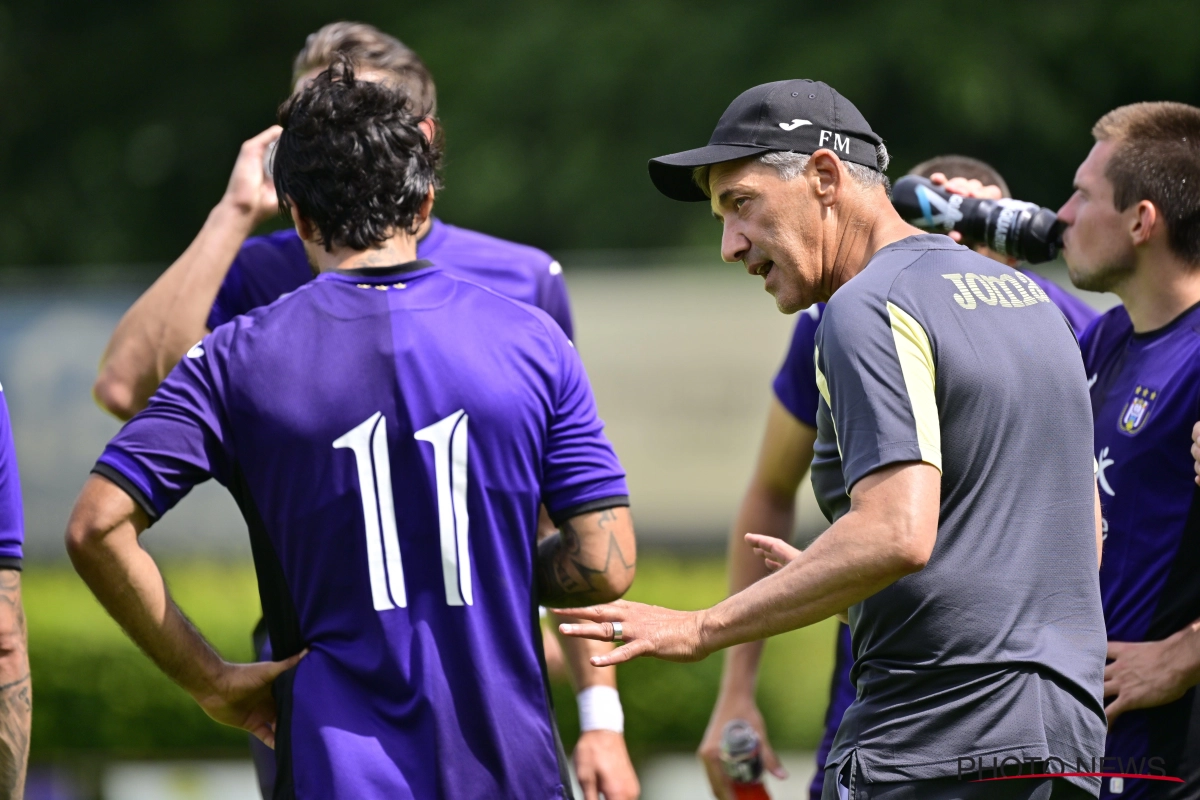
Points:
951	457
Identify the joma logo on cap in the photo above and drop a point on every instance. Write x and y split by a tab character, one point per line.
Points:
796	123
839	142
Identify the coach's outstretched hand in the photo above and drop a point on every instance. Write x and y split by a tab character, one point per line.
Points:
645	630
241	696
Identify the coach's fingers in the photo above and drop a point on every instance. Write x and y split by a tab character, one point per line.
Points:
773	547
600	631
627	652
615	611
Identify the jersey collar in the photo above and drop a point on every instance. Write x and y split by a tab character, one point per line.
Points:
370	274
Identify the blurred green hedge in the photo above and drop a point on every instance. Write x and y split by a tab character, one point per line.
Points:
96	695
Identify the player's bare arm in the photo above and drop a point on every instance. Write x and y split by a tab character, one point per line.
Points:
769	508
172	314
592	559
1148	674
889	532
16	692
102	540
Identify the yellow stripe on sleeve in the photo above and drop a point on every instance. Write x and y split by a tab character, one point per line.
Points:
916	364
823	388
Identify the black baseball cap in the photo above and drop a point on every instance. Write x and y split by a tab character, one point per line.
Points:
800	116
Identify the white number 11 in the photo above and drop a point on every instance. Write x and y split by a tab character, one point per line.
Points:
368	442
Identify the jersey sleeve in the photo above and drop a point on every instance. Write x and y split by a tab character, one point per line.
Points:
229	301
179	440
265	268
796	382
554	299
876	371
12	514
580	470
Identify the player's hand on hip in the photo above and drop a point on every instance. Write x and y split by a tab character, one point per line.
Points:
775	552
602	766
241	696
251	192
1140	675
644	631
731	705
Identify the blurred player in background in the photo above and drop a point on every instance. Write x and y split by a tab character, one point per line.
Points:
784	456
223	274
16	693
390	432
1133	228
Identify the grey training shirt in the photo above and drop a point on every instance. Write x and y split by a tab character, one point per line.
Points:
996	648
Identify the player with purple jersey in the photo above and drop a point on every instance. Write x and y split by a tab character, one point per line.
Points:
391	476
15	692
268	267
1133	228
223	274
787	452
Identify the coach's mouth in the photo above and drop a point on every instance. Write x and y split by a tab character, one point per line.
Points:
760	268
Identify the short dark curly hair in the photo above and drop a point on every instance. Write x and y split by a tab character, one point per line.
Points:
353	160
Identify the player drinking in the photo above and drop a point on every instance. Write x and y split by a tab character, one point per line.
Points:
389	431
951	459
1133	228
223	274
768	507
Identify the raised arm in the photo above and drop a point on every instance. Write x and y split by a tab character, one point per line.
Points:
172	315
591	560
102	540
16	694
889	532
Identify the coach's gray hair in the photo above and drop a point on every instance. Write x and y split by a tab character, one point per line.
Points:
790	165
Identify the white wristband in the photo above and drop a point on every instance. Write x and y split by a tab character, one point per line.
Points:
600	710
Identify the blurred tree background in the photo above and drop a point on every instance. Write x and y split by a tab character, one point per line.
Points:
121	119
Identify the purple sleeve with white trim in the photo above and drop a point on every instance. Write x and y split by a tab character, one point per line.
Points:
179	440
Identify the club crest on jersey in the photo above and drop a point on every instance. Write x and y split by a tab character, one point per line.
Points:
1133	417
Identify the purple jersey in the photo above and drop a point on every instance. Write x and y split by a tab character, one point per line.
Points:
12	515
268	267
1077	312
389	435
1145	399
796	388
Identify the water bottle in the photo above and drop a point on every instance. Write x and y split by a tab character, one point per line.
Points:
742	760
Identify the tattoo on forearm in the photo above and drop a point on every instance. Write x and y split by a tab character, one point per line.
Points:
569	576
16	696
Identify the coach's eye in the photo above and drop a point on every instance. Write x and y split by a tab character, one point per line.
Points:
741	201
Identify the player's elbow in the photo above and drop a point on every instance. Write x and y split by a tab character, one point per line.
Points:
115	396
615	587
84	539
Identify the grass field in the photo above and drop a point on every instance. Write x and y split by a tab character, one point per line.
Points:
95	695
